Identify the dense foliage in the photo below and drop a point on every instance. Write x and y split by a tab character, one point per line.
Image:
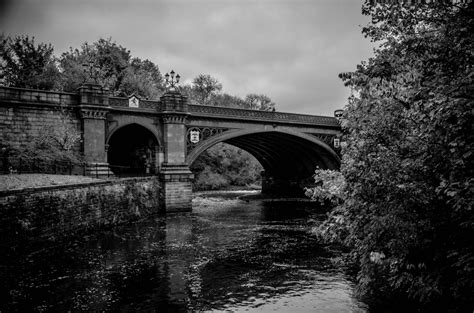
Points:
27	65
329	187
224	165
408	157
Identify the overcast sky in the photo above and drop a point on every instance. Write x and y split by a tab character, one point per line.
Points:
290	50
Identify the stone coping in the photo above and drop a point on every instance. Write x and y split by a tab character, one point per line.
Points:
99	182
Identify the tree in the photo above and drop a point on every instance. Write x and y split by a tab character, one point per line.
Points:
226	100
109	59
115	69
144	79
258	102
204	87
24	64
408	160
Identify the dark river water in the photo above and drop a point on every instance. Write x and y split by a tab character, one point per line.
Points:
227	255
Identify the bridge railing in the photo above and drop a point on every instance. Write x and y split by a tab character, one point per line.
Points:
262	115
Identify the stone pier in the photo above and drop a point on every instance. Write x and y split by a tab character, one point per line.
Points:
175	176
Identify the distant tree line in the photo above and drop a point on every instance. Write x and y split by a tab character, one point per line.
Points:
27	64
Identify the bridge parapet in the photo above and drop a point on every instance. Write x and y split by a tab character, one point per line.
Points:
265	116
22	95
144	104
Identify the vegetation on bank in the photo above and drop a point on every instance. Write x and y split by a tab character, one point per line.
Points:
407	199
223	166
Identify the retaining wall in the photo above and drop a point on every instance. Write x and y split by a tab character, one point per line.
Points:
59	211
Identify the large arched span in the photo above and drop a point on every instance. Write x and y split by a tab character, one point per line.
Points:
132	149
289	158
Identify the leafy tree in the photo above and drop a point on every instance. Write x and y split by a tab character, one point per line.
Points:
109	59
144	79
24	64
226	100
206	90
204	87
114	68
408	159
259	102
64	134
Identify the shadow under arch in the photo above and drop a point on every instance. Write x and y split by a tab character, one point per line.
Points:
133	149
288	158
151	130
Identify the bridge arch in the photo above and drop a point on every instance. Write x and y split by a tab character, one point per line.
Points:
288	158
133	148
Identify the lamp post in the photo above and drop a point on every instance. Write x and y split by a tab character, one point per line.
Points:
171	80
91	70
338	114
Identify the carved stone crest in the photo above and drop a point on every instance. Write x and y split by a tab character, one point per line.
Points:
133	101
194	135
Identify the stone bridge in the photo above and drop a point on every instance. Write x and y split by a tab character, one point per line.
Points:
167	135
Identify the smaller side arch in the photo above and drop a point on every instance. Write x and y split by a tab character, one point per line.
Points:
133	149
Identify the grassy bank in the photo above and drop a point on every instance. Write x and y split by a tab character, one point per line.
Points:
20	181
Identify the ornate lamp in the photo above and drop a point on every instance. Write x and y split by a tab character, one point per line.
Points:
91	70
338	114
173	81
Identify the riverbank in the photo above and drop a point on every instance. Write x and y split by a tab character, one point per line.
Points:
23	181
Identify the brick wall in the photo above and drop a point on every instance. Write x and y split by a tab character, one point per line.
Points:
54	212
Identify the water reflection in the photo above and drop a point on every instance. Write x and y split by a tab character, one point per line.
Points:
226	255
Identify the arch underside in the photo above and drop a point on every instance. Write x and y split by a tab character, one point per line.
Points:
284	155
289	159
132	150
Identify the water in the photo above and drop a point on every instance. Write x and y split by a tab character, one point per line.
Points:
227	255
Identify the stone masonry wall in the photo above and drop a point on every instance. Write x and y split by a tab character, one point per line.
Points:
22	125
176	196
58	211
